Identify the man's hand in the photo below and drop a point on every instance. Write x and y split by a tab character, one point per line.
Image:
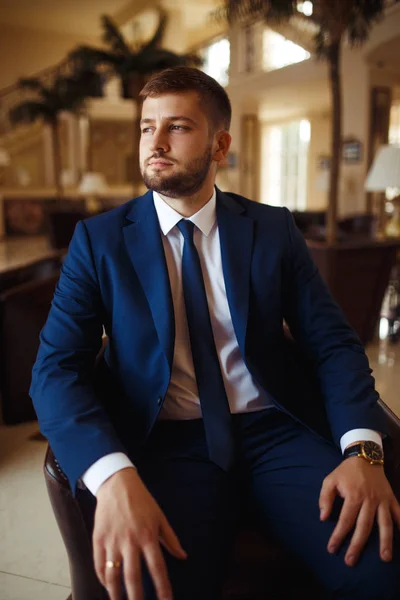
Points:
129	524
367	496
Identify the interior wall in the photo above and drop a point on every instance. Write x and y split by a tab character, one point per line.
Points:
28	162
26	51
111	148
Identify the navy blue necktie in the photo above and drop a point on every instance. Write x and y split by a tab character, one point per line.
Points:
213	399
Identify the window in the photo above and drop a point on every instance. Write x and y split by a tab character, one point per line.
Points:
279	52
216	58
394	127
305	7
284	163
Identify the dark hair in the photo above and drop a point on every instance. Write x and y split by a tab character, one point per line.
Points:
186	79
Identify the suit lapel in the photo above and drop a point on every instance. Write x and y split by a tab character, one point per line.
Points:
145	248
236	232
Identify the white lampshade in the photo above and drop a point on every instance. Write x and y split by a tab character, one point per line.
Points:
93	183
385	170
4	158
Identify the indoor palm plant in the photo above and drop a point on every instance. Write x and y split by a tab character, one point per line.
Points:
338	22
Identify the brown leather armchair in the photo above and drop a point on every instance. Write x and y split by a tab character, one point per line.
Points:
257	566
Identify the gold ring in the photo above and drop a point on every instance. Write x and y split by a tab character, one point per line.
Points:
113	564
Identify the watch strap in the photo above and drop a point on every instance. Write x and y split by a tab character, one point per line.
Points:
353	450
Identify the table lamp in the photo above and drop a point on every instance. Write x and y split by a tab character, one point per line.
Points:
383	174
92	185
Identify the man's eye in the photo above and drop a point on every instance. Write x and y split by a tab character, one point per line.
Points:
178	127
146	129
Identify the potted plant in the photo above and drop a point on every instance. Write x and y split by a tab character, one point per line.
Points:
132	63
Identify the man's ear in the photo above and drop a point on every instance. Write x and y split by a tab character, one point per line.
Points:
222	142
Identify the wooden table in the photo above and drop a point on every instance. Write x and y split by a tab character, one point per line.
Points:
357	273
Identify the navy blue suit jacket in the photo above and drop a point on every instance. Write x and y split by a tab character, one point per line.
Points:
115	275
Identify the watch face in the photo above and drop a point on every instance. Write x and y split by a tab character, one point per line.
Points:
373	451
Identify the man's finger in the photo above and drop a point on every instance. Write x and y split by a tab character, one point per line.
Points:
347	519
113	576
385	524
326	498
365	522
170	541
158	570
99	557
132	573
395	508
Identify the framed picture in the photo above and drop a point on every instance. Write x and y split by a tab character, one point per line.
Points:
351	151
324	163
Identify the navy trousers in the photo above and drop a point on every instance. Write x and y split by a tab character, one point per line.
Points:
279	469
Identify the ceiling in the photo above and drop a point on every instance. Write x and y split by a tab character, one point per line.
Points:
81	17
72	16
386	55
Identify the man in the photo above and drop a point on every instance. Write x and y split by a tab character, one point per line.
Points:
192	286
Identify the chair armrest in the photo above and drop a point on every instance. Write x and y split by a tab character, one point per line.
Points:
53	472
74	532
392	448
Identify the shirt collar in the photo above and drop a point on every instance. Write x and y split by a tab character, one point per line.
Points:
204	219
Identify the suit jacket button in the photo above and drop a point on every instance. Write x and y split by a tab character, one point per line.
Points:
159	401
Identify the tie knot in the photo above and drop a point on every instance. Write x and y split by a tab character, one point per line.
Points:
186	228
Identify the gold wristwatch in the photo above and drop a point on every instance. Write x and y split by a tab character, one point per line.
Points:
370	451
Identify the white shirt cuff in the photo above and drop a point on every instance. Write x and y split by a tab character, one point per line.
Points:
103	468
360	435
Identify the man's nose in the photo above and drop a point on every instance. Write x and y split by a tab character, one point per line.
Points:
159	141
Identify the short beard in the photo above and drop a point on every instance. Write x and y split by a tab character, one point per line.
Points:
186	183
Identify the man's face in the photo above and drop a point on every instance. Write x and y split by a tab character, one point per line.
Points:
175	144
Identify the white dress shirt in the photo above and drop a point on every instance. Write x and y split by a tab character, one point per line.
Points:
182	399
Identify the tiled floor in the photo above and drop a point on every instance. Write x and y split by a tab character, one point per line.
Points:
33	564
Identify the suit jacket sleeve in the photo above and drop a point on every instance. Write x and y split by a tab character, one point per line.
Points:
338	357
70	415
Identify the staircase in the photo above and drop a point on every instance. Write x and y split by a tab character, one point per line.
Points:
12	95
20	139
